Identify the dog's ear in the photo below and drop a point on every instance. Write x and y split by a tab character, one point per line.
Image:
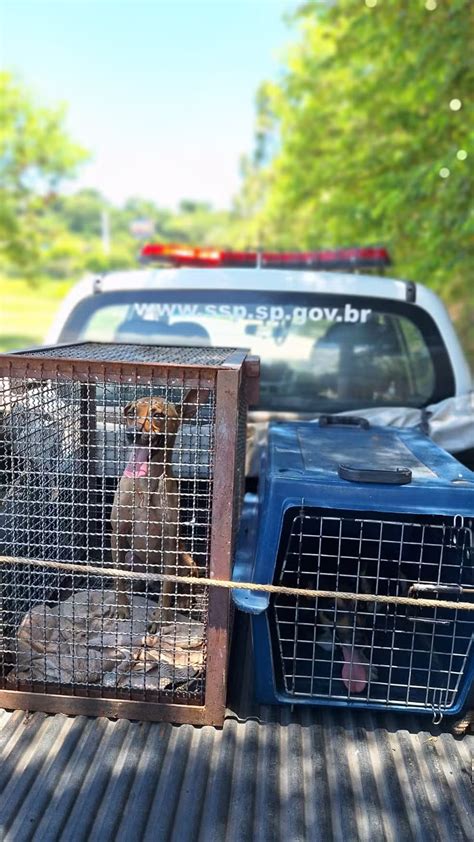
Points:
127	410
191	401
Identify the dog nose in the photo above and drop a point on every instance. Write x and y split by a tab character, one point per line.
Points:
133	433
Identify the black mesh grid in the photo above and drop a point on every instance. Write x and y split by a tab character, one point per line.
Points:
348	650
98	352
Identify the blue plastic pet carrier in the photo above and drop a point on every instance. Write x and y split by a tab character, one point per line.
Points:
355	509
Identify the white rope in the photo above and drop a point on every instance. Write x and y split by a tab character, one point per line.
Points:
308	593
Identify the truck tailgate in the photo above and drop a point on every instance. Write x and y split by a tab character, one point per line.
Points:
270	774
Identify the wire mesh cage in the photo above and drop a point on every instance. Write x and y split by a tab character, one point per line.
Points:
126	458
401	528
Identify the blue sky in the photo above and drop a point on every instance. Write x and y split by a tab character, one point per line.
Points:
160	91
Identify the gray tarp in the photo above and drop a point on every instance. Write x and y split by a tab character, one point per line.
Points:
450	423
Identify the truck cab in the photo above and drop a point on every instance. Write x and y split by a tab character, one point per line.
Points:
332	336
335	341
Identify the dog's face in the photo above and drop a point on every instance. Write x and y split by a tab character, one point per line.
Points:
350	618
151	421
343	616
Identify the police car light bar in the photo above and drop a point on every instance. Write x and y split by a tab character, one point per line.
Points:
351	258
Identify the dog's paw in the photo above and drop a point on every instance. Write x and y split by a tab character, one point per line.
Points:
163	616
122	612
154	622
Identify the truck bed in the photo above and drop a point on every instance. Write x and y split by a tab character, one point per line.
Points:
271	773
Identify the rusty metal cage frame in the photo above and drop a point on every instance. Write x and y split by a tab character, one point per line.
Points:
232	376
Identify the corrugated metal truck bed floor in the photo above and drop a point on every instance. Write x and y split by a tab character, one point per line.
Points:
269	774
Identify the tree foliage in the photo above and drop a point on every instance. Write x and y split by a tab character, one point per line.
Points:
36	156
80	246
366	137
45	233
361	130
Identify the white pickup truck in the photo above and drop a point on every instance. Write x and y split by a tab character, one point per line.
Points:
330	341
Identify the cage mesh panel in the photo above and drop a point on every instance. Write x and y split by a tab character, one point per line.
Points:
63	450
240	456
409	656
135	353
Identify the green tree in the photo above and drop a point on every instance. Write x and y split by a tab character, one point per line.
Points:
368	130
81	212
36	156
198	224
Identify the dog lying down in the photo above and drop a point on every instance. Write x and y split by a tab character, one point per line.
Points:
343	628
79	641
346	626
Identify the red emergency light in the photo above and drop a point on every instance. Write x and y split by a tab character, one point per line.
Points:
351	258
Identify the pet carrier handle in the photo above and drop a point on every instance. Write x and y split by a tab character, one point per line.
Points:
344	421
389	476
421	587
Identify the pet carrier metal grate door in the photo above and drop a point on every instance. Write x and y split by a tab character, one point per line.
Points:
326	525
119	457
343	649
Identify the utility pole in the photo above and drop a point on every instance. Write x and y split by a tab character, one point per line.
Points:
105	229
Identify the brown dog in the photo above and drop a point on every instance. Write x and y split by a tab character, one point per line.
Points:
145	512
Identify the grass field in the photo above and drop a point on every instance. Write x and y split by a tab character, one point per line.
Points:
26	312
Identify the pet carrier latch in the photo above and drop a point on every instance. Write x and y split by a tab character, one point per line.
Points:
437	716
420	589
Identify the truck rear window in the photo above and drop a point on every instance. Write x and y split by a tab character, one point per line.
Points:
318	353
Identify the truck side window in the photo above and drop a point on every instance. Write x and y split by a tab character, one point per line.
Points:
420	362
